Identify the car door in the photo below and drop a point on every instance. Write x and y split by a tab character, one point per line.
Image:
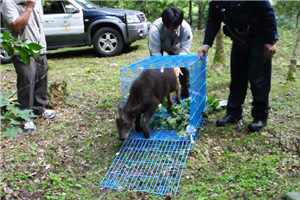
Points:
62	27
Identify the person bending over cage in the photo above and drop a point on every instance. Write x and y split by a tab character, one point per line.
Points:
172	34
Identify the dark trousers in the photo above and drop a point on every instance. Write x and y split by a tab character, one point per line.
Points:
250	65
32	95
184	80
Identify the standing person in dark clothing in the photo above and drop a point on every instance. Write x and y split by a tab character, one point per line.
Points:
23	18
172	34
253	29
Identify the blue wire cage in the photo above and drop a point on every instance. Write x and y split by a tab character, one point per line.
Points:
155	165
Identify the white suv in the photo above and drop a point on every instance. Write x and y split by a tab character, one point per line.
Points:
73	23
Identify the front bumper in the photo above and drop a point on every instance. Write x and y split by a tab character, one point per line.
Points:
137	31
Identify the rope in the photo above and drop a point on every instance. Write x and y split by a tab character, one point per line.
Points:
31	83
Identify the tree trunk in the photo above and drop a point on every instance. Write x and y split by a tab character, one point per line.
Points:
298	18
293	64
199	15
201	7
219	59
190	12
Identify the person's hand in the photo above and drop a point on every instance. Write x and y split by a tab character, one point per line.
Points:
202	51
30	3
178	71
270	50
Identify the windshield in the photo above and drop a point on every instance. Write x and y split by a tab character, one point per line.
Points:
87	4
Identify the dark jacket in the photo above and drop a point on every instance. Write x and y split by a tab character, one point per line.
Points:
253	18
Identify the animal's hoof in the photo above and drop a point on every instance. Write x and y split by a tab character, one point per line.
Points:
147	135
138	129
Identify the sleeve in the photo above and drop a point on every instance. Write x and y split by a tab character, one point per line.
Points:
186	40
39	6
269	23
213	23
154	41
9	11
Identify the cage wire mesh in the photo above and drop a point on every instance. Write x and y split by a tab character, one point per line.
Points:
155	165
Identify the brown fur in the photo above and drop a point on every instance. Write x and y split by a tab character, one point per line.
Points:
146	93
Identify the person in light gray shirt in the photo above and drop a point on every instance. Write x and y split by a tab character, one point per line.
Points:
23	18
172	34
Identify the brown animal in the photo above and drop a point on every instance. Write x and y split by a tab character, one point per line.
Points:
146	93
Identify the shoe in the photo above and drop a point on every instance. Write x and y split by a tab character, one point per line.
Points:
228	119
29	126
48	114
257	125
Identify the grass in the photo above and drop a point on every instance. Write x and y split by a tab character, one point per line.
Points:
67	157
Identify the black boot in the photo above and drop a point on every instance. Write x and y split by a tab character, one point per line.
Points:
228	119
257	125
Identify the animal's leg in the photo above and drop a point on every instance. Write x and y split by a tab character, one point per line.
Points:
170	102
150	110
138	127
178	93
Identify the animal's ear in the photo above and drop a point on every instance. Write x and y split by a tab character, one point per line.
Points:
120	110
136	110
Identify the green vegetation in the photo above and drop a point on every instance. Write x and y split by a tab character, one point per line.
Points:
25	50
286	11
11	115
67	157
178	120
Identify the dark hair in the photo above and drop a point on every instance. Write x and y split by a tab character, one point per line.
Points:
172	17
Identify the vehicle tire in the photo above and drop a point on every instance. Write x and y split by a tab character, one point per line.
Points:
108	42
5	57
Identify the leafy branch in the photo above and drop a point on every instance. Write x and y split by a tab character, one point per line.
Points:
178	118
10	44
212	103
12	116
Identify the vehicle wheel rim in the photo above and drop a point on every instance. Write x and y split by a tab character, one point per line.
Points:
108	42
4	54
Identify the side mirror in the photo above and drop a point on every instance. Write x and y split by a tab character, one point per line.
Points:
70	9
